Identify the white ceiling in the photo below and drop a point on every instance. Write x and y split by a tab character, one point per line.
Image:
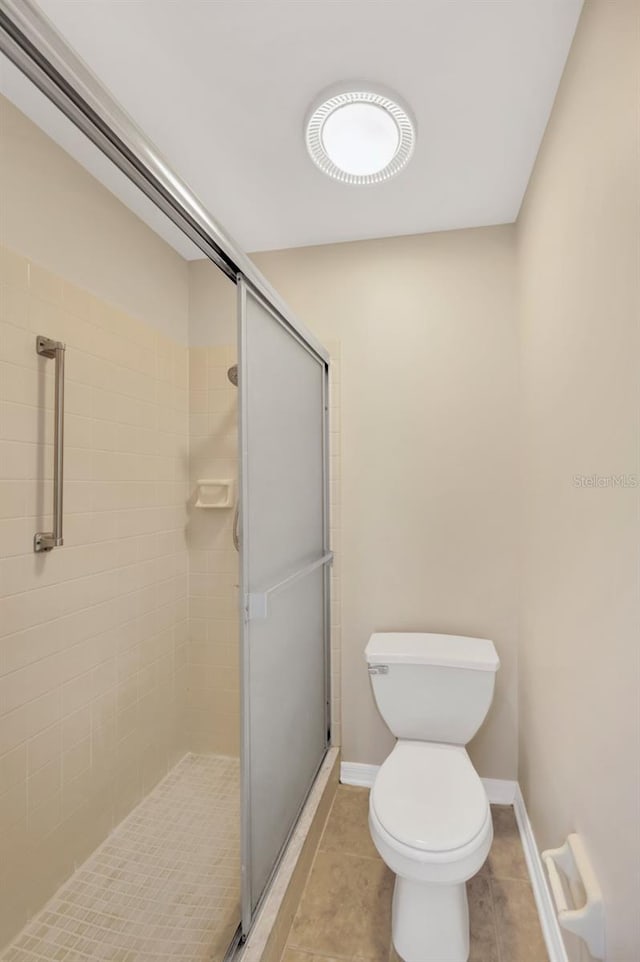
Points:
223	86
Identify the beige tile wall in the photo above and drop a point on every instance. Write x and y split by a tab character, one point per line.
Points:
212	710
212	707
93	637
56	213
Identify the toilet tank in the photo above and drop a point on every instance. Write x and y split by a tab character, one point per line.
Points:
433	688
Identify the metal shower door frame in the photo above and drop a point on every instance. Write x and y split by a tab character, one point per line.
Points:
248	602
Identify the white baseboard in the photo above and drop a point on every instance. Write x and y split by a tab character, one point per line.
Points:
544	901
499	792
354	773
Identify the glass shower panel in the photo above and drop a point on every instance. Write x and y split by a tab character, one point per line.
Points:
284	583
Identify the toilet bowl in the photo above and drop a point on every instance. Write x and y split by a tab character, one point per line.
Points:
430	821
429	815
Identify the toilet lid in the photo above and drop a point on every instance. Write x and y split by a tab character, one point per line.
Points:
430	797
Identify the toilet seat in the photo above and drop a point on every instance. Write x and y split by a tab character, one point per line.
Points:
429	814
430	797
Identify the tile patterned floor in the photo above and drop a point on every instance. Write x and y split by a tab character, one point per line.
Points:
345	911
163	887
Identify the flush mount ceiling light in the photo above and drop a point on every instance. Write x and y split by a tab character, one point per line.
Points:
359	136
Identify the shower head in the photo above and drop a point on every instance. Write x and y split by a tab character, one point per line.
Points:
232	374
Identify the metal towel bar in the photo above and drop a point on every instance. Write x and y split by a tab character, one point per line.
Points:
257	602
46	540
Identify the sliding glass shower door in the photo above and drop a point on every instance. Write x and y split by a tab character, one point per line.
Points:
285	582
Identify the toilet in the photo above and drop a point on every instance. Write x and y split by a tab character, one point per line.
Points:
429	815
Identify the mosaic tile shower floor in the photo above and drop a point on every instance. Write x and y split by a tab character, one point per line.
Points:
164	886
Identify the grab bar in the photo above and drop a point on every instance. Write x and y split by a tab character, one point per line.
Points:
257	602
46	540
236	522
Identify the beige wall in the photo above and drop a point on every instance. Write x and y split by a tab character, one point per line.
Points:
578	253
428	401
97	242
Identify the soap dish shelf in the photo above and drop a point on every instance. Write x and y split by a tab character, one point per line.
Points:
215	493
586	922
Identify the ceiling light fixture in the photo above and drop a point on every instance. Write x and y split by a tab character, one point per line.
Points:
359	136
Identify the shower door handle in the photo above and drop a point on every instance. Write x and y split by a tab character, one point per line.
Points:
46	540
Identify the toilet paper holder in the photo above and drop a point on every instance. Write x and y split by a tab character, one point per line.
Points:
587	922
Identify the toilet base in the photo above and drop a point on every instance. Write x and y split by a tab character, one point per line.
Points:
430	923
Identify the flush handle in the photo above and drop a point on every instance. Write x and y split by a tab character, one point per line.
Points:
378	669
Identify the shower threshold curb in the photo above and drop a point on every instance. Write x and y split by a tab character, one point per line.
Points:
269	934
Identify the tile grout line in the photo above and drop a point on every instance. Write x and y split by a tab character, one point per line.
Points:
494	919
353	855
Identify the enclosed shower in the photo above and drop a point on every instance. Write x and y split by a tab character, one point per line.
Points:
164	570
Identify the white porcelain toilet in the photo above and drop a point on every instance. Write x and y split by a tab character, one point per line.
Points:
429	814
